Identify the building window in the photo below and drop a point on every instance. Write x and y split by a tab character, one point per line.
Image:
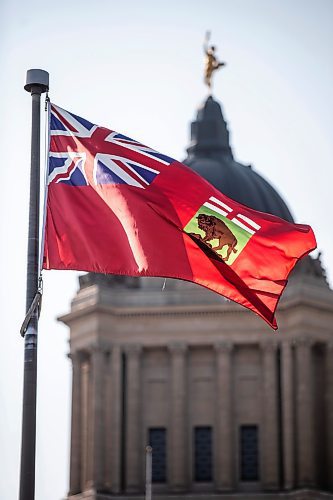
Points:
157	440
203	459
249	453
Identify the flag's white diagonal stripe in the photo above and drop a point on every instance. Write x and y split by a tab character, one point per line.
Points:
110	138
128	165
82	131
113	167
60	170
70	157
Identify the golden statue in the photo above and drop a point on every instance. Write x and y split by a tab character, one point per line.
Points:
211	63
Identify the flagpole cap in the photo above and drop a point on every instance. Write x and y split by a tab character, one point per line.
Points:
37	78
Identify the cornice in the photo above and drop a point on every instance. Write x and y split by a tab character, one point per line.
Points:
321	300
224	346
156	311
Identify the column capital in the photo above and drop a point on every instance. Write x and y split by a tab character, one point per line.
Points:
99	347
133	349
223	346
177	347
269	345
76	356
304	341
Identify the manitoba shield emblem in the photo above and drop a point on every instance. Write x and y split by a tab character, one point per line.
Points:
225	233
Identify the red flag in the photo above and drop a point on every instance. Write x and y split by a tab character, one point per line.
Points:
115	206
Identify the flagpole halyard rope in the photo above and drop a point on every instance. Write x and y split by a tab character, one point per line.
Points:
47	150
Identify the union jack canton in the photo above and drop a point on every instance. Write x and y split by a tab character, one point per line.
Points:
82	154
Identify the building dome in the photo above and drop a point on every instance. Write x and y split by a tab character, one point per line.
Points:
210	155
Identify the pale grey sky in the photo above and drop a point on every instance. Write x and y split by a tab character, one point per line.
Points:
137	67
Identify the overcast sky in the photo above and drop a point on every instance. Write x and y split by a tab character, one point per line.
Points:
137	67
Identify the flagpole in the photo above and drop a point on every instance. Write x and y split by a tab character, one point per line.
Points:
37	83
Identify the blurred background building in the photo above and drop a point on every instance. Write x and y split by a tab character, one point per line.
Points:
229	407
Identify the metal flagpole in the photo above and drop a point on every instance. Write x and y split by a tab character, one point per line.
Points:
37	83
149	457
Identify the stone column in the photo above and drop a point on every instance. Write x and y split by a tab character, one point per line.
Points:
305	423
287	414
85	421
97	430
270	448
223	452
329	410
134	453
75	454
108	401
177	429
116	411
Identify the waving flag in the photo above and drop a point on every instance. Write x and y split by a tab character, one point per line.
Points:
116	206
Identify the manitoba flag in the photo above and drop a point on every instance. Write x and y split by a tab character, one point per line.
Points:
115	206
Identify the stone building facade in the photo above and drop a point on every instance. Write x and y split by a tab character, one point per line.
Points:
231	409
